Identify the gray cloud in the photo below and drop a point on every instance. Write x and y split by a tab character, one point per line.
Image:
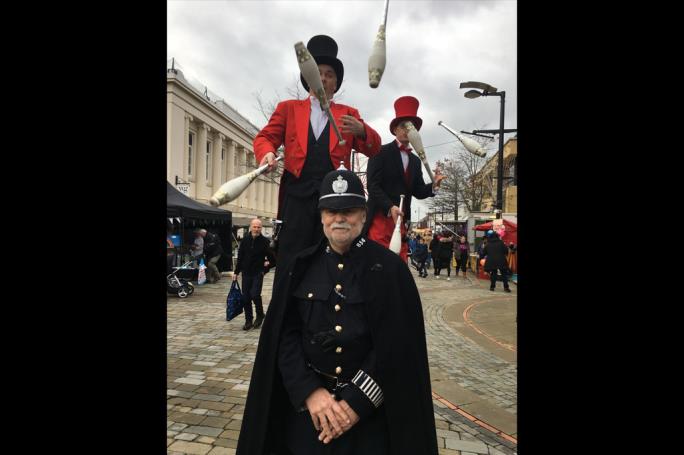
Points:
237	48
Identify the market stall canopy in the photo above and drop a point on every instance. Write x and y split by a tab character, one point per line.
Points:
179	205
511	234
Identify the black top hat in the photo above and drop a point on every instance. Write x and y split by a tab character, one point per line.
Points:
341	189
324	50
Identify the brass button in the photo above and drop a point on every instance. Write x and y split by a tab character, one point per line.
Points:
310	295
338	370
338	287
338	308
340	266
339	350
338	328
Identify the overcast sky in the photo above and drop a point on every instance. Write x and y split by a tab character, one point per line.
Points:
239	48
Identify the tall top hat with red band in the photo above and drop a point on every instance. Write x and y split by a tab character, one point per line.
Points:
406	108
324	50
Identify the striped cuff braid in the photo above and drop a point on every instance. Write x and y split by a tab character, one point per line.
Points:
369	387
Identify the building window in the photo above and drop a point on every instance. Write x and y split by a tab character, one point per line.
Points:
207	167
191	141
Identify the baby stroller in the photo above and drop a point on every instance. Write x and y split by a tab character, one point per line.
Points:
179	286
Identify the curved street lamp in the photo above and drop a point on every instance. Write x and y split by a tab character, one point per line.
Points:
488	90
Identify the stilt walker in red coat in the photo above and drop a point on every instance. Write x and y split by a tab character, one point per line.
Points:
393	172
311	150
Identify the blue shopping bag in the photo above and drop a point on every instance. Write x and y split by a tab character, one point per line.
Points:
234	305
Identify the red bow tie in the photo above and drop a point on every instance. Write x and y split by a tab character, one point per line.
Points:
404	148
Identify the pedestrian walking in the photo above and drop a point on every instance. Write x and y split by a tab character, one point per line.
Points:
212	252
462	252
255	258
445	254
421	256
495	253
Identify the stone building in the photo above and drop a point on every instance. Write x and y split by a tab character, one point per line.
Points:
510	183
208	143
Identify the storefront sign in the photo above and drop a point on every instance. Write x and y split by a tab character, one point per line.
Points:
183	188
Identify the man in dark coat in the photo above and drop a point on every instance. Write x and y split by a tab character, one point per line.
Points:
312	149
496	258
254	259
341	367
393	172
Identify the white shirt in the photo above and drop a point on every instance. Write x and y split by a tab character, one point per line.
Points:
404	156
318	117
405	160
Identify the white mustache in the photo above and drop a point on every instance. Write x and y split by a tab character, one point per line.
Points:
340	226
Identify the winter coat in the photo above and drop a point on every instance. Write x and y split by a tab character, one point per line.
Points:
497	255
252	254
421	252
386	182
434	248
212	245
445	250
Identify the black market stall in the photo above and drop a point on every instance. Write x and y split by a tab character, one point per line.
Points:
185	214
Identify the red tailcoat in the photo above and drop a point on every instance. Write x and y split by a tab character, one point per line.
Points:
289	125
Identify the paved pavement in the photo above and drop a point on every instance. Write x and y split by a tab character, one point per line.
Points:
471	338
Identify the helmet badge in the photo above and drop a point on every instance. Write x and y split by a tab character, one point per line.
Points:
340	185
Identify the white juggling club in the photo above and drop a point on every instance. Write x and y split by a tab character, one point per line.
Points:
395	242
377	59
417	144
234	187
470	145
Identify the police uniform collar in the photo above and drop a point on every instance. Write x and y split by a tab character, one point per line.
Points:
357	243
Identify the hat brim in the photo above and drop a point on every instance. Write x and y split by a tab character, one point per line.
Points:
326	60
342	202
417	122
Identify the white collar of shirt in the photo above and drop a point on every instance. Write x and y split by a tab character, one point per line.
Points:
318	117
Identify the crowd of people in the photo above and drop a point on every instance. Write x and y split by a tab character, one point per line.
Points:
446	248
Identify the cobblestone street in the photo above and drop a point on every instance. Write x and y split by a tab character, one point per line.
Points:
471	337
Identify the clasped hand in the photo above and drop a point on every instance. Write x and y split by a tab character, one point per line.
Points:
332	418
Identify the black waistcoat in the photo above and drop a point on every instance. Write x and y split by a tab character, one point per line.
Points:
316	165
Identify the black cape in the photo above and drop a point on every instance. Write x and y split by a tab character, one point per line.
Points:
395	316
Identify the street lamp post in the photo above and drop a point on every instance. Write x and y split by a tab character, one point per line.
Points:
488	90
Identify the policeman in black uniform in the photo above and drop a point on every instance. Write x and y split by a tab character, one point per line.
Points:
341	367
326	340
